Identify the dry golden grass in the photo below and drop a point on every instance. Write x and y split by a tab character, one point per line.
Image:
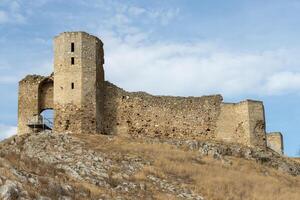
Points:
296	159
214	179
161	196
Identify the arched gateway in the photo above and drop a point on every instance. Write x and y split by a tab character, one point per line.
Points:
35	96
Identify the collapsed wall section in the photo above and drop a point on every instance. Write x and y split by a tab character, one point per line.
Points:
257	123
243	123
28	101
160	116
275	142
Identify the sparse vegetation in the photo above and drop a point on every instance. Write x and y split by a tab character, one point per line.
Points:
161	168
233	178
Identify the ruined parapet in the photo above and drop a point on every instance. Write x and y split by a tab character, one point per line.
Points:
243	123
28	101
78	82
142	114
275	142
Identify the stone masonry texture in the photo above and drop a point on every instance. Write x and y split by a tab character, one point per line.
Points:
78	78
139	113
243	122
275	142
83	102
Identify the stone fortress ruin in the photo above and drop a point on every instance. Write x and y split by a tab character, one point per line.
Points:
83	102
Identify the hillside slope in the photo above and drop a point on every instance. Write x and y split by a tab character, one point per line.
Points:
63	166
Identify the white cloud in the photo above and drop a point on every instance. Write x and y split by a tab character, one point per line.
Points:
198	68
7	131
164	16
283	82
137	62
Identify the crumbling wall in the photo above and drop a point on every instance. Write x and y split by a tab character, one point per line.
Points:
243	123
160	116
28	101
275	142
257	123
84	103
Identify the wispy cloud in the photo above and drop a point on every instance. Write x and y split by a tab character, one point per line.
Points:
283	82
165	16
11	12
137	62
7	131
198	68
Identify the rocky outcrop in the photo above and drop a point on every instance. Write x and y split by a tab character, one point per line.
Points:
46	162
68	166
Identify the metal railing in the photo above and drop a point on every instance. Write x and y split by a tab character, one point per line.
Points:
40	122
48	122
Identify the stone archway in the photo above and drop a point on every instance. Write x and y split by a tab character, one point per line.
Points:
45	101
46	95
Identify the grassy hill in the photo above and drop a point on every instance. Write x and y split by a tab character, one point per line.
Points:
64	166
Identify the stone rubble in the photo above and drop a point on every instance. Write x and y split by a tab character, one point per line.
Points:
183	193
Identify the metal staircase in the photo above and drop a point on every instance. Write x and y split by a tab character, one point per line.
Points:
40	123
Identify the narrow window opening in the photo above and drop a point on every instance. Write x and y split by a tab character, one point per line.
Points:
72	86
72	61
72	47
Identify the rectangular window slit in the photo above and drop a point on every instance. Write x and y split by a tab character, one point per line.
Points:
72	61
72	47
72	86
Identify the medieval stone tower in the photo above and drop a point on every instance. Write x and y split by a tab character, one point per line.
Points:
78	82
74	91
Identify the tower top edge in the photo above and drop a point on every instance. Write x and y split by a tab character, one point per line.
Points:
73	33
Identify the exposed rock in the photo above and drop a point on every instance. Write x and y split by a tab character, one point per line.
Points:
11	190
66	166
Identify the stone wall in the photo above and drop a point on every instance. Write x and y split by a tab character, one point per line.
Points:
275	142
160	116
257	123
84	103
140	114
243	123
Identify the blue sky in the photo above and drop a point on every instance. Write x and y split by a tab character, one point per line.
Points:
243	49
